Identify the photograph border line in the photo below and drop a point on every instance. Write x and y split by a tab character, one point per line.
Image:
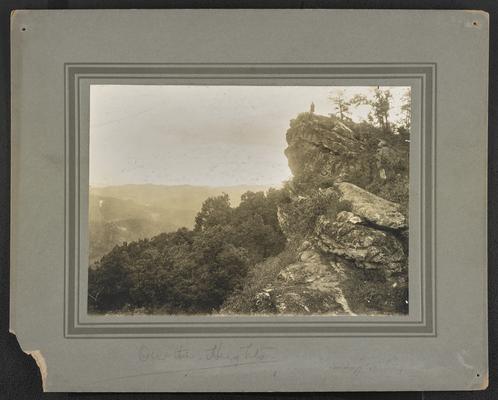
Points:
74	328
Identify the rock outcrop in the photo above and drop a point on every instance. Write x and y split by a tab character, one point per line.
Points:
324	150
347	216
308	286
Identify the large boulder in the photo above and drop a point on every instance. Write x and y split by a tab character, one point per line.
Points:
372	208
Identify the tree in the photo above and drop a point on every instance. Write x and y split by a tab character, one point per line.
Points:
341	106
109	282
406	109
214	211
256	227
220	267
380	104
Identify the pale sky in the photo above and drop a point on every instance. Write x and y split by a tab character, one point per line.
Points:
201	135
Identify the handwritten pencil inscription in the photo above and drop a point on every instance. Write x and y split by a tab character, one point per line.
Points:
247	353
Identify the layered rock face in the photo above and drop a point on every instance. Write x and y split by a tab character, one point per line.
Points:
322	149
347	218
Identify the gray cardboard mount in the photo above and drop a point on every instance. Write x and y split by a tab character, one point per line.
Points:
443	55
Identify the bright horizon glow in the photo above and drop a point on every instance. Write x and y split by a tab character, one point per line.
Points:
202	135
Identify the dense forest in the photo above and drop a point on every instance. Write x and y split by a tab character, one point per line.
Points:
332	239
191	270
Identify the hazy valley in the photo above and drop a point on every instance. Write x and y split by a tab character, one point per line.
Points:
126	213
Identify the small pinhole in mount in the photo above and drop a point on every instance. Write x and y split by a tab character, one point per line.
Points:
475	23
478	375
23	29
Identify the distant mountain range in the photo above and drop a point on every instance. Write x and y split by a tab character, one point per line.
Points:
127	213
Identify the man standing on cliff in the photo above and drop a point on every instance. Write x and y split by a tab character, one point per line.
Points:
312	108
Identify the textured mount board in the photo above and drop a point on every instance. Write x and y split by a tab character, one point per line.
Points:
56	54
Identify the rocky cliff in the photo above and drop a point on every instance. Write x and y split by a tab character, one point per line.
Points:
345	219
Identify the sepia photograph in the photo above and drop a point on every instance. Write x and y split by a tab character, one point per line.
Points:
248	200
